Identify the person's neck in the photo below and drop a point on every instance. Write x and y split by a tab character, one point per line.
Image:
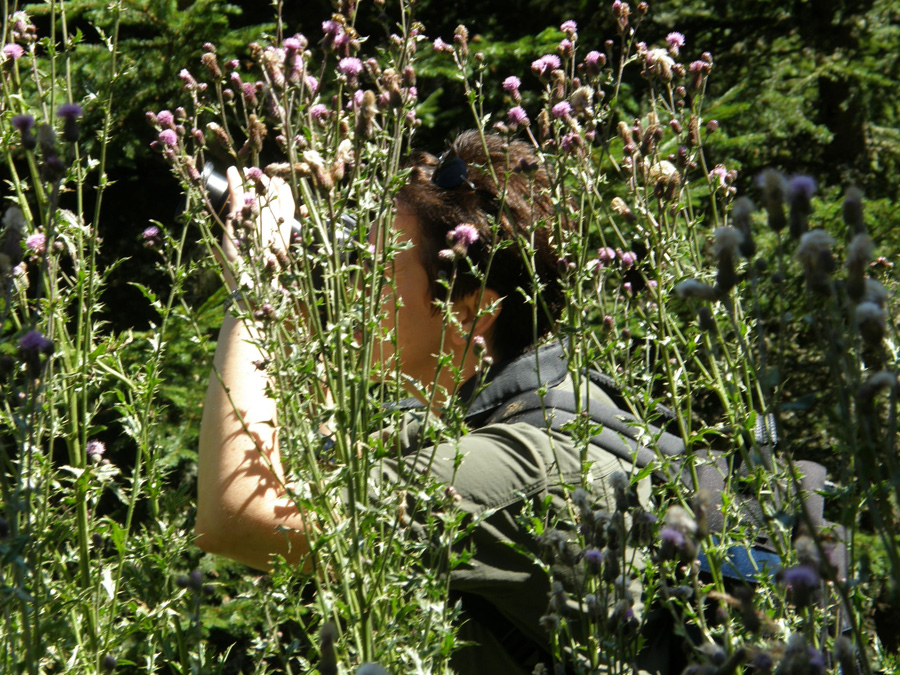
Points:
437	395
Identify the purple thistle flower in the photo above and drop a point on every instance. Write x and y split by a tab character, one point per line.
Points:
150	236
293	44
332	28
593	62
562	110
628	258
816	660
248	89
23	123
168	137
569	27
606	254
800	188
672	537
13	51
512	84
166	119
594	560
675	40
33	342
801	583
312	84
464	234
570	142
801	576
318	112
341	39
542	66
518	116
95	448
719	174
350	66
36	243
441	46
185	76
69	111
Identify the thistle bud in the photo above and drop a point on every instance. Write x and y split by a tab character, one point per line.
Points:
725	244
853	212
741	217
694	131
859	255
543	124
814	254
461	39
799	195
872	387
773	189
365	115
872	323
211	63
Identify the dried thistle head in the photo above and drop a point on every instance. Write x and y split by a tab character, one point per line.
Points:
853	212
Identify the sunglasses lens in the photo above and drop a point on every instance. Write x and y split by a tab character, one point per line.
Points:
450	173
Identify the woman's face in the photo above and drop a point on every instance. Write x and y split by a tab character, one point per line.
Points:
411	328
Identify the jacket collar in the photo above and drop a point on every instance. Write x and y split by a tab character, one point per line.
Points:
544	366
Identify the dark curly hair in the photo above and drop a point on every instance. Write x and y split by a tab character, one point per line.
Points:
514	217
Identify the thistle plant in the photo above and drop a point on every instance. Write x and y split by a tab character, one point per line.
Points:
85	585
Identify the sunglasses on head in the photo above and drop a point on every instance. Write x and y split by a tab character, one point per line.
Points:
451	172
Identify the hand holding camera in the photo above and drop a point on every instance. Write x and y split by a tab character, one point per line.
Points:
264	218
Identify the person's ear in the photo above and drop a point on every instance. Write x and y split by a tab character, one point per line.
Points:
476	318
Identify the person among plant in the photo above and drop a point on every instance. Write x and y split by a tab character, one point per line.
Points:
493	211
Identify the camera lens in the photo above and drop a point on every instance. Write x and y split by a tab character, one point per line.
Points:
216	186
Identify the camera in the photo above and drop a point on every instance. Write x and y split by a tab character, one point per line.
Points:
216	186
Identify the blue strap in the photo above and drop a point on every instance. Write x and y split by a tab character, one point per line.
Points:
745	565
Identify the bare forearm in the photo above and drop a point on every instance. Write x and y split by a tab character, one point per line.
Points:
242	505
